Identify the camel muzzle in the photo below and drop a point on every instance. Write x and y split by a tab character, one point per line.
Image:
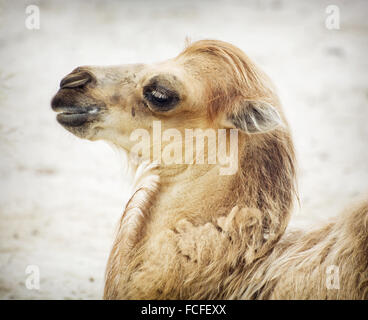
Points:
73	102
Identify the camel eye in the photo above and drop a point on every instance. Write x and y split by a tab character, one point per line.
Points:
160	98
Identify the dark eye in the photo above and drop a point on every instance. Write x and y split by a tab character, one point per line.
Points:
160	97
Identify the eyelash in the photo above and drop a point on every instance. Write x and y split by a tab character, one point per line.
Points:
159	95
160	98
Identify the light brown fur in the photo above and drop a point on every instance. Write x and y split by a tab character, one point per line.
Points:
188	232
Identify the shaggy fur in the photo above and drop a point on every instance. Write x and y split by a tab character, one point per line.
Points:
188	232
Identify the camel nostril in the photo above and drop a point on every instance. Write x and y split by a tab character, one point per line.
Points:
76	80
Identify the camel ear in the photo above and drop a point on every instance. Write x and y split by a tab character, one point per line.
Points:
254	117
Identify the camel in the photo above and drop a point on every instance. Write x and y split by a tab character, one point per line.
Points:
188	231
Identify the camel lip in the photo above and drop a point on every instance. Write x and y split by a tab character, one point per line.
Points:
76	116
70	110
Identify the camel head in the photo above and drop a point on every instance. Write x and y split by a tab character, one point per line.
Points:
211	84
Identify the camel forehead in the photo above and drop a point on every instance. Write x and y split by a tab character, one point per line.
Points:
175	69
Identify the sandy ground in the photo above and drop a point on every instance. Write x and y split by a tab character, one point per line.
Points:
61	197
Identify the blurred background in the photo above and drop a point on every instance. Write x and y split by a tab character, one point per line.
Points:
61	197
